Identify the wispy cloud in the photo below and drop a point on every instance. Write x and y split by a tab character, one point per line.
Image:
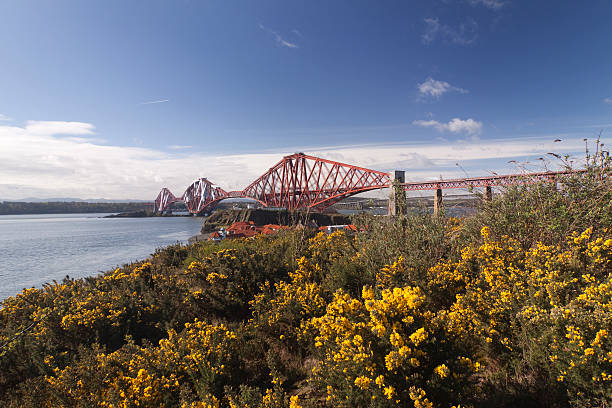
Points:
432	26
179	147
5	118
45	165
492	4
455	125
465	34
608	100
282	42
296	32
435	89
152	102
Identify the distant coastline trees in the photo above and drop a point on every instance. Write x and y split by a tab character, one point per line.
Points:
59	207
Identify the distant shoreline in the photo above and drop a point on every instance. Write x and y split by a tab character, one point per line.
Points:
143	214
72	207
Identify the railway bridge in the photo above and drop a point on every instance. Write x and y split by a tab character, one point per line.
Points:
300	181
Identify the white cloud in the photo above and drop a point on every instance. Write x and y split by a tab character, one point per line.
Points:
608	100
434	88
153	102
58	128
5	118
179	147
470	126
465	34
278	38
492	4
44	165
455	125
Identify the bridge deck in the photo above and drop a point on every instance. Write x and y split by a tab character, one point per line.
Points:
489	181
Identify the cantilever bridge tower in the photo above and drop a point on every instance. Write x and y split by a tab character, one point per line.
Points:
302	181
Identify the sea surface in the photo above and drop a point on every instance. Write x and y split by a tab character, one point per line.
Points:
35	249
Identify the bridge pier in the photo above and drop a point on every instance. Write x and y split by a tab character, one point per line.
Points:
397	199
438	201
488	195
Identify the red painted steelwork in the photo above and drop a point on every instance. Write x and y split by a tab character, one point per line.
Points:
201	196
164	199
302	181
504	180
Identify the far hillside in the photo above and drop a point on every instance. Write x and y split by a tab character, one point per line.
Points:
16	208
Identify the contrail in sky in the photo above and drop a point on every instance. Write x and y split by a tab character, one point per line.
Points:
152	102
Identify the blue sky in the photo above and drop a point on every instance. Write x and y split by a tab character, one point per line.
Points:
117	99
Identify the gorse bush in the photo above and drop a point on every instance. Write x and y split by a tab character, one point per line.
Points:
549	212
509	307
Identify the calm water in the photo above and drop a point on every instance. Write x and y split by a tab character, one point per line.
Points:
35	249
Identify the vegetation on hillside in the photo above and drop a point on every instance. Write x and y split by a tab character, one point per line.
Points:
68	207
509	307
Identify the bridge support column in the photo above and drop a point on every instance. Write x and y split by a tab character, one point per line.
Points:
397	200
438	201
488	195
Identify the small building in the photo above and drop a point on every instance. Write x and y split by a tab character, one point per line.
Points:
242	229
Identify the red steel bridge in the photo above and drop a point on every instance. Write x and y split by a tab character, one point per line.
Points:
300	181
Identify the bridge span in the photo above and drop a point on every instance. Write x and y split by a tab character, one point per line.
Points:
300	181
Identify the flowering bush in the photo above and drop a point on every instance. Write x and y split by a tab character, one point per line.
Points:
189	367
387	351
496	309
223	283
